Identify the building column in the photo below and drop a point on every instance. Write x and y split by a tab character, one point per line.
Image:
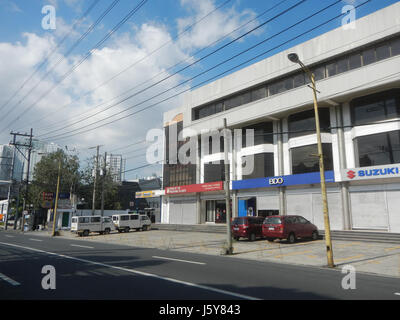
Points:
278	138
344	186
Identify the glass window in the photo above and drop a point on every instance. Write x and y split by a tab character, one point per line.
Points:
288	83
305	159
95	219
246	97
274	220
263	165
298	80
218	107
355	61
124	218
319	73
342	65
214	171
303	123
206	111
258	93
331	69
232	102
134	217
277	87
262	134
383	52
378	149
395	47
376	107
369	56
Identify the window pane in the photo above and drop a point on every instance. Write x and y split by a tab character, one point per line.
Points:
206	111
378	149
319	73
298	80
376	107
214	171
331	69
218	107
342	65
369	56
277	87
383	52
232	102
303	123
258	94
288	83
263	166
304	159
396	47
246	97
355	61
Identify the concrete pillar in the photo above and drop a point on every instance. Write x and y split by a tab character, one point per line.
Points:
344	186
280	164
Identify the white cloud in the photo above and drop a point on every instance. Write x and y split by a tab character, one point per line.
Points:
18	61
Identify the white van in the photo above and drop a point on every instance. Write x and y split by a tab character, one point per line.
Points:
125	222
83	225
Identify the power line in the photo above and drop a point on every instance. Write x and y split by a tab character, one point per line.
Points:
182	69
88	54
231	69
76	43
138	61
46	59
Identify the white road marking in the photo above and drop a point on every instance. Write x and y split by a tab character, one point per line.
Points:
35	239
8	236
9	280
397	293
233	294
77	245
187	261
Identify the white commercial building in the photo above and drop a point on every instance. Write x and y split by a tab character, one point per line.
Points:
358	78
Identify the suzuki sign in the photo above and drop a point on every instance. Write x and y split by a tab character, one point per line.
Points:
377	172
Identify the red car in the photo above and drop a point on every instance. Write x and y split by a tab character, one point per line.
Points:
288	227
247	227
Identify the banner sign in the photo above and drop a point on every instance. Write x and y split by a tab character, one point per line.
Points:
376	172
149	193
203	187
281	181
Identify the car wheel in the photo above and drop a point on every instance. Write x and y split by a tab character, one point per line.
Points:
314	235
236	238
252	237
85	233
126	229
107	231
119	230
292	238
270	239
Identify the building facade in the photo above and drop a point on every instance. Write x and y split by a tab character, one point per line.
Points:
357	76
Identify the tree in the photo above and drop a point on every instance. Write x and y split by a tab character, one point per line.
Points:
45	176
85	190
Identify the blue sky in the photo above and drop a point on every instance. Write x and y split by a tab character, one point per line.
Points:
24	44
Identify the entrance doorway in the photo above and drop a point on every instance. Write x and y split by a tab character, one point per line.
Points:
216	211
247	207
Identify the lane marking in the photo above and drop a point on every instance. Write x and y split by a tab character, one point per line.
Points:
397	293
9	280
77	245
187	261
8	236
35	239
190	284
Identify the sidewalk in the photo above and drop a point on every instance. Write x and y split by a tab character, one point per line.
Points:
370	257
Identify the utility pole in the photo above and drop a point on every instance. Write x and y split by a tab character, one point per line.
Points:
95	179
229	248
102	183
29	146
56	202
9	188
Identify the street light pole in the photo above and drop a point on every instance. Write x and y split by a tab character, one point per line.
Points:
329	250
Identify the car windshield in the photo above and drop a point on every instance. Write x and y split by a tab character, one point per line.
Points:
273	220
239	221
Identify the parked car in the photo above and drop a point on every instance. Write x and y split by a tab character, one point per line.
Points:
288	227
125	222
84	225
247	227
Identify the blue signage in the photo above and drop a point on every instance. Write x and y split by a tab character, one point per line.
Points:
295	179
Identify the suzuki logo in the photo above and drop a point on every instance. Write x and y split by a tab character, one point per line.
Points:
351	174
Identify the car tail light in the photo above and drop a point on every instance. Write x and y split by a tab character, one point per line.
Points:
245	226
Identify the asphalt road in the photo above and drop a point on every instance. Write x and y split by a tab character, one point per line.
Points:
94	270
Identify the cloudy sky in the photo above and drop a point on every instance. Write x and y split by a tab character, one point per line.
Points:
79	85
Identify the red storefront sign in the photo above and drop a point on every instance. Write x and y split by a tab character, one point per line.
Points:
203	187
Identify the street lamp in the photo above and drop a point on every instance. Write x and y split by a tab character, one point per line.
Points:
293	57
